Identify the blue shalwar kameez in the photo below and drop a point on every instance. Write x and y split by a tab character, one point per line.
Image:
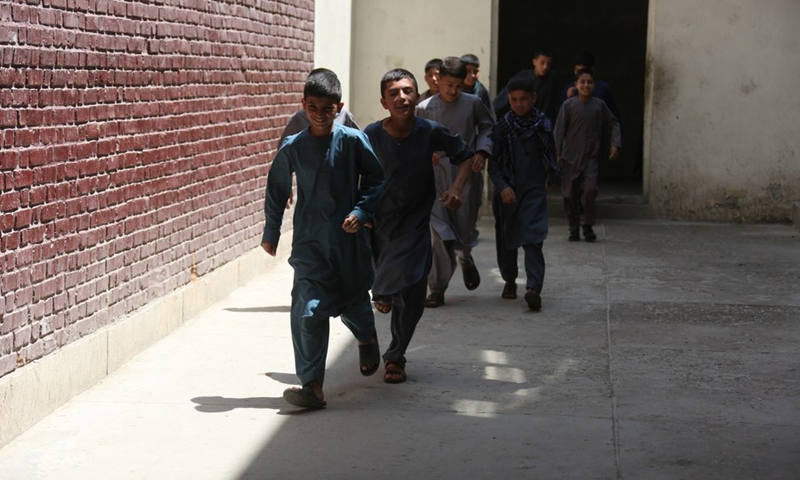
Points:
402	236
333	270
522	160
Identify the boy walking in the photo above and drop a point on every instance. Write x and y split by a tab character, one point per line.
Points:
454	233
472	85
330	255
548	100
431	78
578	138
402	235
522	167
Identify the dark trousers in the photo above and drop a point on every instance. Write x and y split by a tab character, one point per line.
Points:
507	257
407	307
580	195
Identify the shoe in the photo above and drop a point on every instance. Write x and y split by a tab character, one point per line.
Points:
574	236
434	300
303	397
510	291
588	233
471	276
533	299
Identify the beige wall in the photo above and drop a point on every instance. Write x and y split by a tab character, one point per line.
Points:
722	132
389	34
332	35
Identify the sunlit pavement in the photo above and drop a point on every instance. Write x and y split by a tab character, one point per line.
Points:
664	350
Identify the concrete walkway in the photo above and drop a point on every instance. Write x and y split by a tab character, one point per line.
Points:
664	351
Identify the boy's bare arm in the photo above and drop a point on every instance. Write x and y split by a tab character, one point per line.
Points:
452	196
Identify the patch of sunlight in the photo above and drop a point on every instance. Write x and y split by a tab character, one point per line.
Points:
504	374
493	356
475	408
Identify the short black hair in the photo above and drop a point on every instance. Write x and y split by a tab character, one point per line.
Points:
584	71
546	51
433	63
521	82
322	82
395	75
586	59
470	59
454	67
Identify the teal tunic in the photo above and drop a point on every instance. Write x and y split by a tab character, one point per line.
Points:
337	175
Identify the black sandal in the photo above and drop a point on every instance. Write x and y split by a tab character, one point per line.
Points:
369	354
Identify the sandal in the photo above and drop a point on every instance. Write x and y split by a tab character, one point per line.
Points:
472	278
434	300
303	397
510	291
369	354
395	373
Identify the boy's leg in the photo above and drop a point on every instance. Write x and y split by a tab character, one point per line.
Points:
570	188
310	340
534	266
443	263
589	196
409	305
506	258
534	270
359	319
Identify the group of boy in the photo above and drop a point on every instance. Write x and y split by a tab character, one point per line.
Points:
407	191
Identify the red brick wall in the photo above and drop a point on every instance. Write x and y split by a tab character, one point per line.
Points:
134	146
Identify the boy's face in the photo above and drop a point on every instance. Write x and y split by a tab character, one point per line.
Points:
400	98
542	64
472	75
320	112
450	88
578	68
432	79
521	102
585	85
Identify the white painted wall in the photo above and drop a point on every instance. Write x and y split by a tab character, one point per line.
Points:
390	34
722	126
332	40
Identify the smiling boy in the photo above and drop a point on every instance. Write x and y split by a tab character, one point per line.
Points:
577	134
331	256
401	237
454	233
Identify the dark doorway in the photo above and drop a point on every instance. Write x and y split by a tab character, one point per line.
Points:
614	31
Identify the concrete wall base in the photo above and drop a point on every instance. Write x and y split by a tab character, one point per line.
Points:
796	215
32	392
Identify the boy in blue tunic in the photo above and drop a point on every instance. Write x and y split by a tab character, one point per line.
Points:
331	255
522	167
401	236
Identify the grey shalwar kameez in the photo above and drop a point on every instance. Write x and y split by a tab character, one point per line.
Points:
453	232
578	138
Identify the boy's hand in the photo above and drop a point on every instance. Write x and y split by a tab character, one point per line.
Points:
351	224
269	248
451	198
508	195
614	153
436	158
478	161
571	92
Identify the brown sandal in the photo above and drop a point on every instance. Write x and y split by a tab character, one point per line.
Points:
395	373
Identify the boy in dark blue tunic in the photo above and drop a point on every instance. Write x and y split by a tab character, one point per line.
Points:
339	183
401	237
521	164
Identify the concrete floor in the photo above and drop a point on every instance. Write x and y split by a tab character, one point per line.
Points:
663	351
